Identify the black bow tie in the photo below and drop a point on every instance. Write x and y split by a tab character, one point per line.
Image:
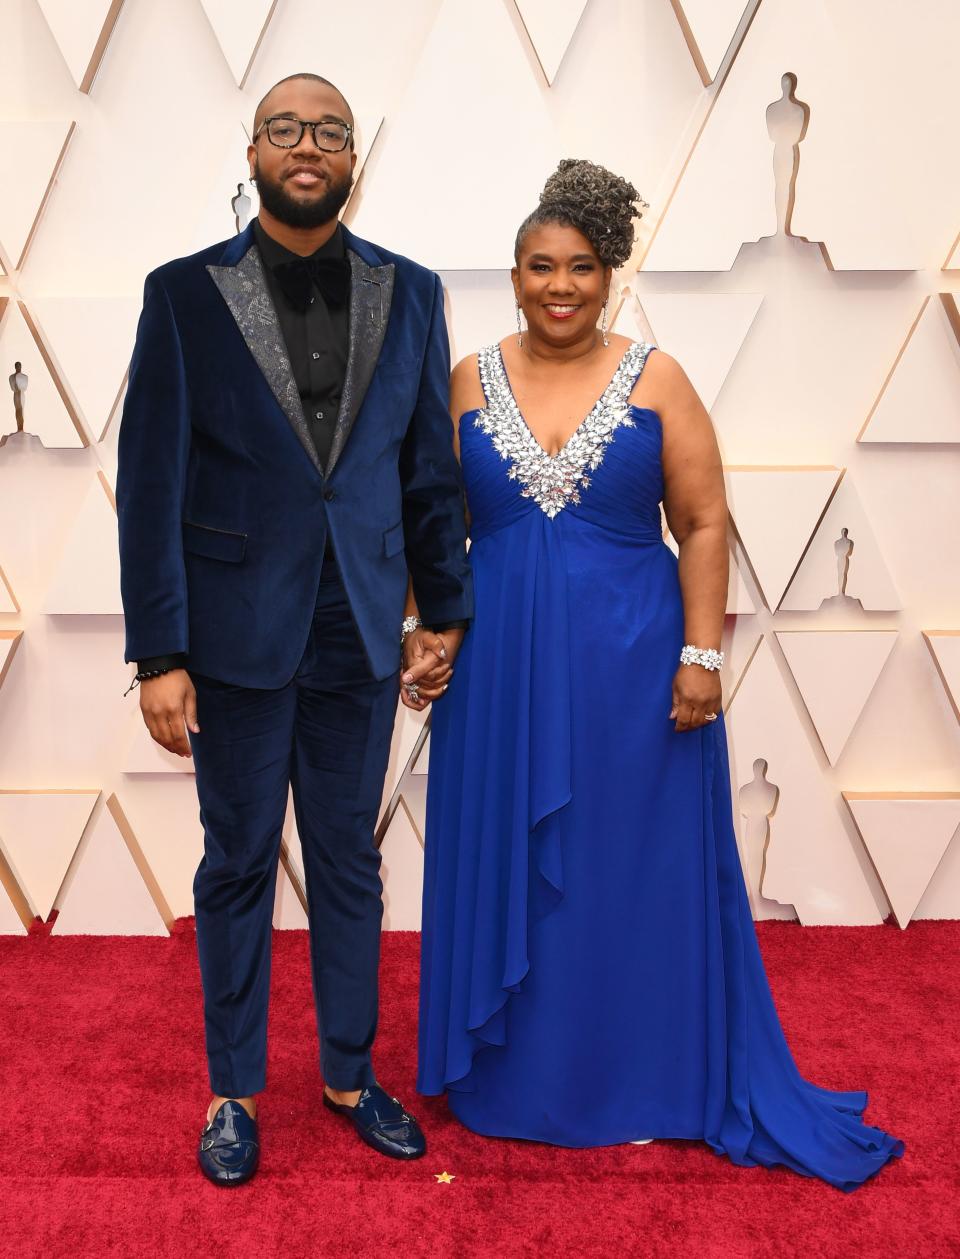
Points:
330	275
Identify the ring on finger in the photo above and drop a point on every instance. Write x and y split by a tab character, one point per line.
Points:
709	716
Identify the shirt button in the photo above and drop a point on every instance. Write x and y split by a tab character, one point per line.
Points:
314	354
329	495
319	415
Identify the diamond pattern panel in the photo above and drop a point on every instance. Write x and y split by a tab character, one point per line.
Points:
89	340
290	905
11	923
709	27
810	861
107	892
44	406
239	26
920	399
8	601
835	672
704	331
944	647
163	815
906	836
39	833
82	31
9	642
843	158
16	916
550	25
775	511
33	156
844	565
87	579
402	851
481	37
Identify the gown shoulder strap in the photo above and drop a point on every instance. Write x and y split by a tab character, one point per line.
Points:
628	372
490	364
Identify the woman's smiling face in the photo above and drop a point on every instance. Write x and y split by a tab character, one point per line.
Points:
560	283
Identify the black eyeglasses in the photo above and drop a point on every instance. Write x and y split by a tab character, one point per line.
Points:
329	135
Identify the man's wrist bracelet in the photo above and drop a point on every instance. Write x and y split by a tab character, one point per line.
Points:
146	675
706	657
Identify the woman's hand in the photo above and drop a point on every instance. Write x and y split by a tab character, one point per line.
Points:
696	693
427	666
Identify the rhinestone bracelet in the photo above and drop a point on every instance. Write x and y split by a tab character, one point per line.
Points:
410	623
704	656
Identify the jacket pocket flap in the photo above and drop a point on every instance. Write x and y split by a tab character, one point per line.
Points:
215	544
393	540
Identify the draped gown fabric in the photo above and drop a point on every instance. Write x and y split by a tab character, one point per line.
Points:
590	969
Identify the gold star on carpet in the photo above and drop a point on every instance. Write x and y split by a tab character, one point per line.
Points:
443	1178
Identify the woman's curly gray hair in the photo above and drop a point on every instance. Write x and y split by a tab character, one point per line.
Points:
596	202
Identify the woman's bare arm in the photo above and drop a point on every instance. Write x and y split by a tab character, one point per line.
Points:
466	393
696	510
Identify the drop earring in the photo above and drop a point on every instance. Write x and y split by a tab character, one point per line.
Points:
603	324
519	328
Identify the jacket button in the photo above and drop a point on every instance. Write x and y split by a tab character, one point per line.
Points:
329	495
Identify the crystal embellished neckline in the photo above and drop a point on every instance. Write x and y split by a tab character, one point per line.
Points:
599	402
555	481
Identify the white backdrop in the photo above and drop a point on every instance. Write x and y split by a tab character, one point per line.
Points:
799	257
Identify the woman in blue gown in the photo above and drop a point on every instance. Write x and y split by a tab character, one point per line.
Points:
590	970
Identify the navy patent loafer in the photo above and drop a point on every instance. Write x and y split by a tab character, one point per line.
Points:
229	1151
381	1121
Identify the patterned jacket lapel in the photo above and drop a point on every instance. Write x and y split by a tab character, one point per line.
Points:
371	292
244	289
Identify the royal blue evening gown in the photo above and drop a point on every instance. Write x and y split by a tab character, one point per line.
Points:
590	970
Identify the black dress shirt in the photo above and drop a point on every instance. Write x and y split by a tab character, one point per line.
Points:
318	344
317	339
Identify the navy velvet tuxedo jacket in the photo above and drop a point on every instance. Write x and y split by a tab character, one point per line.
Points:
224	510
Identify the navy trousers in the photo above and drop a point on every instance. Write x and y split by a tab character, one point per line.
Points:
327	733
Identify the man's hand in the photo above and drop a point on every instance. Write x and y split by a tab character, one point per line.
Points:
696	692
169	707
428	665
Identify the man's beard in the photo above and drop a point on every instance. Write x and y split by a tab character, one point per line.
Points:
275	199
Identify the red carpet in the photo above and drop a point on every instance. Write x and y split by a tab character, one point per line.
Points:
104	1088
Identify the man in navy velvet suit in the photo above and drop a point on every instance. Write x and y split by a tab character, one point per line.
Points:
286	465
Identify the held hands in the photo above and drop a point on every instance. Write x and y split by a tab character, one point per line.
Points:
696	692
427	666
169	707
